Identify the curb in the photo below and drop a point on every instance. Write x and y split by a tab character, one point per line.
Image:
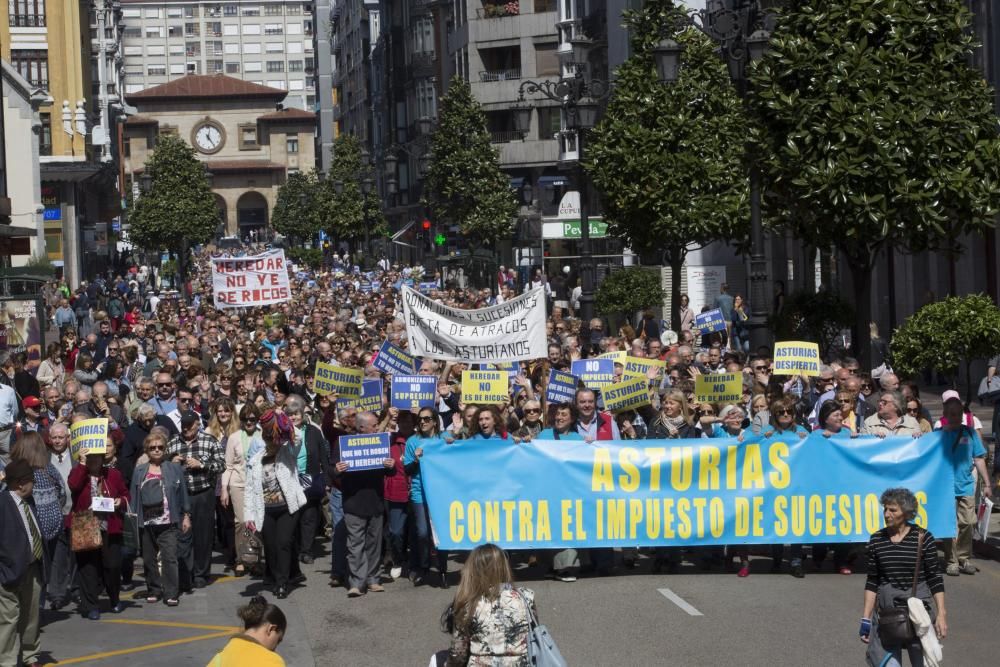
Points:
987	549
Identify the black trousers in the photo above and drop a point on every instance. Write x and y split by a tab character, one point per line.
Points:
226	532
100	568
280	551
194	548
310	518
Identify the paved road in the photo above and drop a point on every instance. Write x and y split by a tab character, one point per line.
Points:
765	619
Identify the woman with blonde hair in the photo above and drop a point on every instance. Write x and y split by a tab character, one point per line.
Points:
490	619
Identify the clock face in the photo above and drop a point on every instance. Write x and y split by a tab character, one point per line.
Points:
208	138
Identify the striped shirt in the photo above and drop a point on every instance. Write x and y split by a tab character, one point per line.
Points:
891	563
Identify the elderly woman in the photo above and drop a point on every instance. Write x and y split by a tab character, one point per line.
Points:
532	424
731	419
163	510
51	371
891	418
273	497
894	553
240	448
312	454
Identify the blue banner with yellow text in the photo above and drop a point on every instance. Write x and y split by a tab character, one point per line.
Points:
551	494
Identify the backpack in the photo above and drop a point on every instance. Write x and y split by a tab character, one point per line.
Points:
151	497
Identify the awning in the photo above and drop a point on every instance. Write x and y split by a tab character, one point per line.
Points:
405	228
11	232
552	181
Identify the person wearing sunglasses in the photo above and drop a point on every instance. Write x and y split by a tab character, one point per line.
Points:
532	423
163	509
783	424
240	448
426	439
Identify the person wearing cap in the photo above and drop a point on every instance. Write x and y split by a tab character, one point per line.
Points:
891	418
33	421
22	568
203	461
968	417
967	451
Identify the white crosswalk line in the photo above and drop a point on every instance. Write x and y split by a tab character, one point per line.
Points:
680	602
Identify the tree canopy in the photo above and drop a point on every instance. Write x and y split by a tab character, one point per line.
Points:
464	185
179	204
875	130
669	158
343	212
297	212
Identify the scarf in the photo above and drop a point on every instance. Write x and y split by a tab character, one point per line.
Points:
672	424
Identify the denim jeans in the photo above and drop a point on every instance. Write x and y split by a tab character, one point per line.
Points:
420	551
396	533
338	545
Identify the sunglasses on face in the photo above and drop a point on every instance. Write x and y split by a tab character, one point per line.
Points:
532	411
164	384
761	369
784	412
156	448
426	418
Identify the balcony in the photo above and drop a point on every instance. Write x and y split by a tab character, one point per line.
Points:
27	21
500	75
499	10
505	136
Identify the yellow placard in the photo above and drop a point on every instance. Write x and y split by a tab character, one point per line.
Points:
719	388
90	434
639	366
485	387
796	358
626	395
333	379
618	357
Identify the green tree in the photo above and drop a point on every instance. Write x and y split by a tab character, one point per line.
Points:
946	334
876	132
343	212
465	185
669	159
179	206
625	292
297	212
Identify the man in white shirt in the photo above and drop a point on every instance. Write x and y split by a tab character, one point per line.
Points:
8	417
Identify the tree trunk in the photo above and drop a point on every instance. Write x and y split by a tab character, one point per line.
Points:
676	256
861	273
968	383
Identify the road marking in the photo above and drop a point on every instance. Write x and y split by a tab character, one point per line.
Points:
680	602
147	647
173	624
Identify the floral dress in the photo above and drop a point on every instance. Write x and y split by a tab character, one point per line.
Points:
497	633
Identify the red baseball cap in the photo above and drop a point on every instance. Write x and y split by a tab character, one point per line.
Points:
30	402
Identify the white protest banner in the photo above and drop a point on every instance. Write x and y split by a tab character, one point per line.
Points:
512	331
259	280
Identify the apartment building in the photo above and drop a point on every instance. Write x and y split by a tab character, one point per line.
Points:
266	43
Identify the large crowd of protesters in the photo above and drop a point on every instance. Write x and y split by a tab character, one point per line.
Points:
219	442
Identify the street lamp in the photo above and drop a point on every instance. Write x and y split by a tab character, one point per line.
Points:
741	28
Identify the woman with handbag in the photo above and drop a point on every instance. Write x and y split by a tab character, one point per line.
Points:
312	455
902	564
274	497
240	447
100	499
490	620
162	509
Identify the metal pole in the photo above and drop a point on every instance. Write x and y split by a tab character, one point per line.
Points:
759	334
586	253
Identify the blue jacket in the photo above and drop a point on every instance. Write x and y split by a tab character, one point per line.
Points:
174	488
15	548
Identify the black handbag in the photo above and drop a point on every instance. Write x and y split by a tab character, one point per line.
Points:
895	628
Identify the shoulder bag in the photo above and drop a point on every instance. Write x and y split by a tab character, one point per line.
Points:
542	649
84	531
895	628
130	529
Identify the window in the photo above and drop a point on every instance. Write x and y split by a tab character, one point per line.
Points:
194	68
546	60
422	35
230	10
26	13
132	33
151	12
232	68
251	10
175	31
295	84
214	28
273	29
176	50
291	143
232	49
545	6
293	9
213	10
248	138
297	28
275	66
274	47
251	28
192	49
272	9
548	122
252	66
132	13
231	29
155	51
279	84
190	11
45	135
167	129
295	66
213	66
294	47
133	88
156	31
192	29
133	69
253	47
33	65
426	99
133	50
213	48
156	70
177	68
175	12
